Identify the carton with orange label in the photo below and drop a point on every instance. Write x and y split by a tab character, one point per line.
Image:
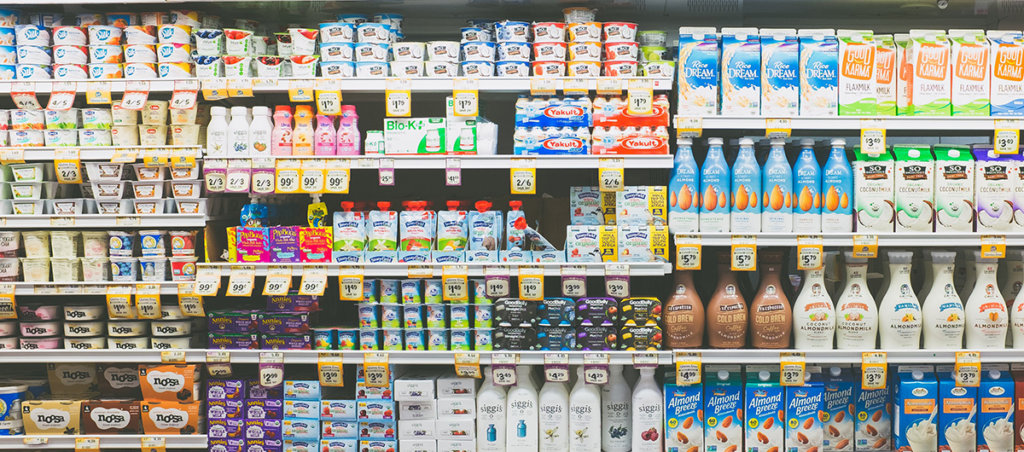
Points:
175	383
170	418
916	410
1007	68
885	74
857	93
929	60
969	54
995	409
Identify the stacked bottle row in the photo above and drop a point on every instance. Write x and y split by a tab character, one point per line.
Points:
255	135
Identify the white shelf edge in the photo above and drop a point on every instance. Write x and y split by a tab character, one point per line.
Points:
476	269
67	442
890	239
503	161
80	288
924	123
105	221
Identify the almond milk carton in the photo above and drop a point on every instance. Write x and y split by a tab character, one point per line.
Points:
857	93
969	53
819	72
903	74
995	409
874	420
929	60
741	72
780	72
885	74
804	430
765	425
723	408
1007	69
841	389
698	71
916	410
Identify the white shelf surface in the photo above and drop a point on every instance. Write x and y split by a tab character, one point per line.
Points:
476	269
170	220
924	123
97	153
67	442
503	161
86	288
884	239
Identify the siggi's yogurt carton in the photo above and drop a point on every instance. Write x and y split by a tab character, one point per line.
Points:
857	93
929	60
956	415
969	54
723	405
916	410
698	71
885	74
954	188
874	420
839	399
995	409
804	432
741	72
994	179
684	425
915	188
1007	69
819	72
780	68
765	427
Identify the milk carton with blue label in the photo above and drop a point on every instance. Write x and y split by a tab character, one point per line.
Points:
698	71
841	389
684	423
957	413
741	72
819	72
723	408
780	72
1007	69
857	92
804	431
765	426
885	74
995	409
916	411
929	62
969	54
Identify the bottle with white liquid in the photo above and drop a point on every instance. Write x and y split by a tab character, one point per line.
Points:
259	132
899	315
929	276
553	417
1014	265
814	316
521	413
217	132
648	413
970	275
490	416
986	310
856	313
1017	321
584	415
943	312
238	132
616	412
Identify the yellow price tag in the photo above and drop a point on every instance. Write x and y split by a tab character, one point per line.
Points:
182	158
531	283
8	307
376	371
122	155
792	367
873	370
872	137
523	177
241	281
119	302
1006	138
330	369
97	93
286	176
744	253
191	304
467	365
311	176
147	301
12	155
218	363
279	280
172	357
239	87
640	97
609	86
154	157
865	246
778	127
337	176
328	97
993	246
420	271
350	282
300	91
87	445
215	89
397	97
611	175
809	252
466	97
543	86
689	126
688	368
68	166
688	252
154	444
967	369
455	280
314	281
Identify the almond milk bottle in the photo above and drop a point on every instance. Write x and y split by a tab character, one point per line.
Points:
986	310
943	312
856	313
727	310
900	313
814	317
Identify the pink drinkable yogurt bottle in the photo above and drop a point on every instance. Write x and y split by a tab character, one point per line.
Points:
349	142
281	135
326	142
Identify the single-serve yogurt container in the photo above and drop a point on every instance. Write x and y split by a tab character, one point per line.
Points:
7	36
31	35
85	343
373	32
583	69
337	32
512	69
407	51
69	54
371	52
476	34
584	31
170	52
174	70
174	33
269	66
620	68
303	40
171	343
584	51
371	69
441	69
140	71
105	35
621	51
548	68
140	34
9	17
84	329
478	51
337	51
34	55
549	32
8	328
165	328
237	66
34	72
209	41
140	53
303	66
477	68
69	35
39	343
619	31
237	42
106	54
337	69
128	343
549	51
652	38
443	51
512	31
406	68
209	66
70	71
513	51
105	71
9	343
127	328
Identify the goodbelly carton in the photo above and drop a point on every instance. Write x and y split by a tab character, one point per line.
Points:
819	72
874	420
741	72
804	430
969	53
929	60
1007	69
956	413
723	407
885	74
995	409
780	72
840	398
916	410
765	426
903	74
857	93
698	71
684	424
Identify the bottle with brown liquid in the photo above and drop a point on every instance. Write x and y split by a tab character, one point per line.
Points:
727	310
684	315
771	318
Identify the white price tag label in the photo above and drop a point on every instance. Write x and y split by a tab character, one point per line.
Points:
873	370
398	97
556	367
350	281
574	281
1006	138
62	96
279	280
640	97
452	172
496	281
792	366
135	95
207	281
287	180
467	365
185	94
595	368
218	363
314	281
241	281
778	127
24	96
386	172
611	176
743	253
967	369
689	126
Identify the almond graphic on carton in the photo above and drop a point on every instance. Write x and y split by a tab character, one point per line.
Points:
768	423
739	414
871	430
851	408
839	416
682	438
822	416
731	448
842	444
813	449
833	431
721	437
700	415
808	423
802	438
688	422
727	421
762	438
880	443
692	449
877	416
773	449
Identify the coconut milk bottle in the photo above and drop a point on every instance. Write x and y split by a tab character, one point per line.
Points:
856	313
553	417
814	317
490	416
745	216
806	190
684	191
819	72
741	72
943	312
857	93
521	413
954	189
837	190
714	189
616	412
986	309
648	413
584	416
777	188
899	315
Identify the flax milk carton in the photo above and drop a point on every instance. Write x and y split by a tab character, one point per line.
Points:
994	179
723	405
684	425
765	426
780	69
969	53
874	420
915	188
995	409
1007	69
840	398
873	189
929	60
916	409
741	72
804	430
954	188
885	74
857	93
698	71
819	72
903	74
956	413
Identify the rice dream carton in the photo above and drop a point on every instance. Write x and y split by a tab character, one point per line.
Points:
765	426
885	74
929	60
839	399
819	72
698	71
684	424
954	188
723	407
780	69
969	54
915	188
1007	72
857	93
741	72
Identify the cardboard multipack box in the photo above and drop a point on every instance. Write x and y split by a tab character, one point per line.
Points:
170	382
51	417
414	136
170	418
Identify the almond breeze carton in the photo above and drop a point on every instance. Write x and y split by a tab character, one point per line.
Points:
956	415
765	426
723	406
929	60
885	74
874	420
916	406
741	72
684	425
857	93
819	72
969	53
1007	69
995	409
780	69
841	389
804	430
698	71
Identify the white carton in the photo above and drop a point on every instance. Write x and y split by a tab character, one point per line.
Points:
780	72
417	410
698	71
819	72
929	60
741	72
447	445
1007	69
885	74
456	429
969	54
456	408
453	386
902	41
417	445
418	429
857	93
415	388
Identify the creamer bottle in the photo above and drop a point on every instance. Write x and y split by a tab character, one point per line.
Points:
238	132
260	132
349	142
727	310
970	274
490	416
303	135
986	309
714	189
521	413
684	191
807	190
837	190
943	312
281	136
217	132
683	318
1017	321
899	315
1014	265
777	193
616	412
553	417
771	318
745	214
814	317
648	413
856	313
584	415
326	138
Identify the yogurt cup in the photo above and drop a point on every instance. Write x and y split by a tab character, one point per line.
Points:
66	269
140	71
415	339
620	68
478	51
619	31
104	35
8	71
435	315
69	35
174	70
42	343
443	51
371	69
437	339
483	315
441	69
338	51
209	41
303	40
140	53
477	68
460	339
354	19
35	269
390	315
337	32
39	329
174	33
371	52
337	69
153	269
368	316
9	343
407	51
476	34
512	69
124	269
548	32
122	19
7	36
621	51
391	339
209	67
95	269
548	68
105	71
141	34
31	35
512	31
406	68
483	339
127	328
106	54
549	51
165	328
128	343
34	55
584	51
514	51
85	343
372	32
584	31
8	328
183	268
21	138
61	119
36	244
303	66
173	53
237	66
659	68
84	313
68	54
94	137
579	14
237	42
652	53
38	313
369	339
412	315
284	44
652	38
34	72
84	329
171	343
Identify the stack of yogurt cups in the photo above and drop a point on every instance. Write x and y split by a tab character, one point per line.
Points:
479	50
234	52
652	54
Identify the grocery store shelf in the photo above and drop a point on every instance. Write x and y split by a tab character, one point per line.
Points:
67	442
884	239
476	269
490	161
170	220
49	153
85	288
942	123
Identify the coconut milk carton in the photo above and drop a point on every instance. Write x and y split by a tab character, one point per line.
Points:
840	398
819	72
995	177
885	74
956	413
874	420
916	410
857	93
873	189
1007	69
741	72
954	188
684	426
765	426
915	187
723	407
698	71
805	431
995	409
929	60
903	74
969	53
780	72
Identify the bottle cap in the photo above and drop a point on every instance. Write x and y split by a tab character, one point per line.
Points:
280	108
714	141
383	205
452	204
347	205
482	206
260	110
515	205
238	110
